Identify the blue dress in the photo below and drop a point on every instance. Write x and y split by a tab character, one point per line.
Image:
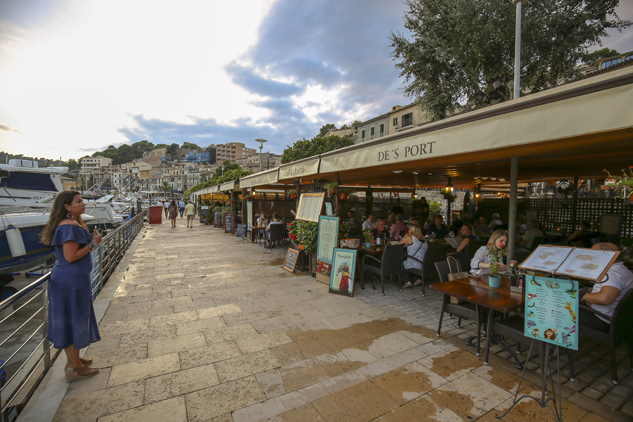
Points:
71	317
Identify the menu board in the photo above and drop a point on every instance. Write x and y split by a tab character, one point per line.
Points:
546	258
310	206
328	209
241	230
588	264
204	214
229	227
327	239
453	241
551	310
249	214
217	222
290	262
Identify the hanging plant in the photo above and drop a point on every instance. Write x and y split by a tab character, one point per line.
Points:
292	193
304	233
623	184
331	187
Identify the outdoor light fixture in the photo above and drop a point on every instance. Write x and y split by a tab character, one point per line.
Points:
261	146
414	172
397	171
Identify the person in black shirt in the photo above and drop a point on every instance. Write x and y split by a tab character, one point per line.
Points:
397	209
438	228
381	231
424	209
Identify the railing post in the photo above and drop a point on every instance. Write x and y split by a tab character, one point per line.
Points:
45	345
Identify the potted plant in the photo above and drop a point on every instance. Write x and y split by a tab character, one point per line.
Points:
292	193
331	187
369	238
344	192
304	234
496	258
623	184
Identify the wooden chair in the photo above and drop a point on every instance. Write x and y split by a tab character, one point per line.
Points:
620	331
390	264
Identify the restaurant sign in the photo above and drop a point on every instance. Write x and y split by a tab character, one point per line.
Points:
260	179
299	169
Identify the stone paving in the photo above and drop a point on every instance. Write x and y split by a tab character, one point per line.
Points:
208	327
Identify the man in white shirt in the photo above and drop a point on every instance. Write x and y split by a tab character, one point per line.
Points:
166	208
369	223
606	295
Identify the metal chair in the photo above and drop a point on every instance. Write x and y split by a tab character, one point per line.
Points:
389	264
539	240
277	234
620	331
462	310
419	272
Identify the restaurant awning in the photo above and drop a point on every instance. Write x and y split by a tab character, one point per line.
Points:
573	130
227	186
300	168
260	179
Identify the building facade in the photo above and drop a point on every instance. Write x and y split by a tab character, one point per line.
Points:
373	129
232	151
89	164
407	117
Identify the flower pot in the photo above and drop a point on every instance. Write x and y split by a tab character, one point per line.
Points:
367	245
343	196
494	281
293	195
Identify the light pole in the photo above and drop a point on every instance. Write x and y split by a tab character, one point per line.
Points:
261	146
517	50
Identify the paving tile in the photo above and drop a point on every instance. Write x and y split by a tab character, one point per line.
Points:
452	364
211	402
343	381
529	410
88	385
421	409
100	403
175	345
259	411
172	410
173	319
288	353
272	383
107	358
299	374
142	369
362	402
408	382
179	383
390	363
300	414
200	326
242	366
218	311
304	396
145	336
229	333
390	344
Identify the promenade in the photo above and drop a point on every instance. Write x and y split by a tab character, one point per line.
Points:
205	326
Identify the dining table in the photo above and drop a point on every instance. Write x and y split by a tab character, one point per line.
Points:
476	290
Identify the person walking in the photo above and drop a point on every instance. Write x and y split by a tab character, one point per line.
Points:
167	208
72	324
181	206
190	212
172	208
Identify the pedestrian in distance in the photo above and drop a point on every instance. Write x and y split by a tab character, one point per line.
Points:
181	206
167	208
72	325
190	212
173	212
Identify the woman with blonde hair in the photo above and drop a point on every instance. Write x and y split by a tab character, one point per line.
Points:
416	247
480	264
71	319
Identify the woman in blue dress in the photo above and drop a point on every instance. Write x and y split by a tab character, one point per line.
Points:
71	319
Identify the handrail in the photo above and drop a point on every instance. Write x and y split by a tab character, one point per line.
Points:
28	361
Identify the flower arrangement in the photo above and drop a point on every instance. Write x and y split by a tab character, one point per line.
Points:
304	233
623	184
343	231
368	235
496	258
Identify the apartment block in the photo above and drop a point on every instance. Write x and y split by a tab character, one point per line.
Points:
232	151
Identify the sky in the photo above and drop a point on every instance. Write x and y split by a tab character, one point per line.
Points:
79	75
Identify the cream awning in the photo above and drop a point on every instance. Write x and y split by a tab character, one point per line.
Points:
258	179
299	169
227	186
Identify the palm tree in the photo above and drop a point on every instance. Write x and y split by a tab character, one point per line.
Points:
165	188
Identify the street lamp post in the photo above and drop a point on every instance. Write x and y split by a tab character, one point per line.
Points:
261	146
517	50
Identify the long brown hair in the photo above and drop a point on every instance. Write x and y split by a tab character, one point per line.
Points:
59	213
492	242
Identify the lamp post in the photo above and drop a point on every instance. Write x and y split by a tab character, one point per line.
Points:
261	146
517	50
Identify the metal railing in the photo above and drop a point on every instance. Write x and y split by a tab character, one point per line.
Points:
26	354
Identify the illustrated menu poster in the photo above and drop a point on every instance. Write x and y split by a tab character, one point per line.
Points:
310	206
343	269
546	258
249	214
327	238
551	310
588	264
328	209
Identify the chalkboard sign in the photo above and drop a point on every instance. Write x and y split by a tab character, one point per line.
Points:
216	219
241	230
291	260
204	214
229	227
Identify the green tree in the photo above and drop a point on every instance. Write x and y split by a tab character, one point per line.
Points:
188	145
317	145
325	129
165	188
161	146
460	48
72	164
592	58
172	149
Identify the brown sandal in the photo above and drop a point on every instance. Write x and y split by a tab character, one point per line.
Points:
75	374
84	362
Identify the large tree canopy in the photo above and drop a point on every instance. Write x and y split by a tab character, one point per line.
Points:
317	145
459	48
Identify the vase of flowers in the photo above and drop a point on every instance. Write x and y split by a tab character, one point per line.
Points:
369	238
496	258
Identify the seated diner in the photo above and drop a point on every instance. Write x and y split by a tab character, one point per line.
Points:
438	228
416	247
480	264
